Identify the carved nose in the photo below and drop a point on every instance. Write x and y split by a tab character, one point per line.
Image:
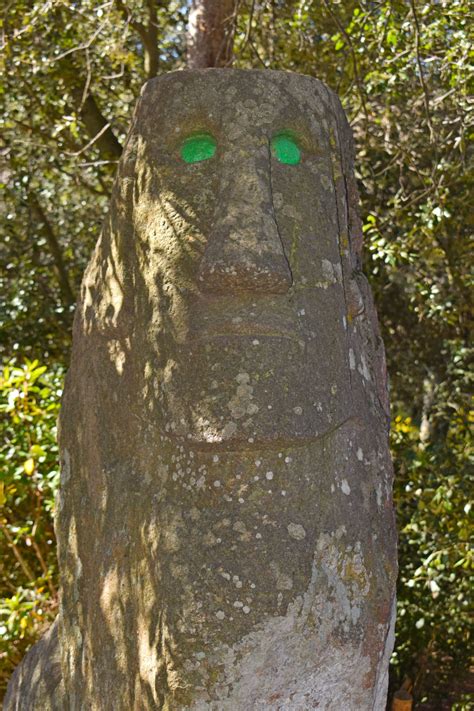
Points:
236	263
244	252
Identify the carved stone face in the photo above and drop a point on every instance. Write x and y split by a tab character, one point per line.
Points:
224	322
238	244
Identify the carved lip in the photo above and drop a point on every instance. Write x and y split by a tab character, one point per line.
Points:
264	317
243	328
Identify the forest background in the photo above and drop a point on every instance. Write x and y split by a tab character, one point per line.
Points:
71	74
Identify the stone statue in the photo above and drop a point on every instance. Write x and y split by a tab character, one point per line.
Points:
225	522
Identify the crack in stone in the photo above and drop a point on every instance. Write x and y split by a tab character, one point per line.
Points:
336	201
274	214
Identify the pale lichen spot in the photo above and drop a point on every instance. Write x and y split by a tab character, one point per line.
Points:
243	378
220	614
325	181
209	539
296	531
378	492
328	272
352	362
346	489
229	429
363	369
337	271
282	579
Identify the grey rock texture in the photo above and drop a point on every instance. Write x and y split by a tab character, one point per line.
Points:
37	683
225	523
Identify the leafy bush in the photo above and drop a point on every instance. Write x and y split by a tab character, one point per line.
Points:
433	486
29	477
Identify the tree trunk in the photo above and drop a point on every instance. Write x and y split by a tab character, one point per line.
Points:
211	33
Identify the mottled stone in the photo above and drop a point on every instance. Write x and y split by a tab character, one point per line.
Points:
225	521
36	683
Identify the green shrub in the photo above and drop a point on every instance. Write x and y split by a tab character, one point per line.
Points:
433	486
29	475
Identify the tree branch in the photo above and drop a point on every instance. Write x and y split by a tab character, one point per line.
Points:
97	127
23	564
54	248
148	34
85	106
355	64
424	88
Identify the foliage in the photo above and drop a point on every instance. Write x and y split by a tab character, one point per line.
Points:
72	72
432	492
29	477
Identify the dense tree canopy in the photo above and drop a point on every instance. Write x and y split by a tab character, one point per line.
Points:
71	73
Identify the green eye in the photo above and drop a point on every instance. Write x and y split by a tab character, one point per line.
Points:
201	146
285	149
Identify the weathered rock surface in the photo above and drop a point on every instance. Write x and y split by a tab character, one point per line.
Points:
225	524
36	683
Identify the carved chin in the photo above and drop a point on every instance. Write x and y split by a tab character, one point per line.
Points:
224	394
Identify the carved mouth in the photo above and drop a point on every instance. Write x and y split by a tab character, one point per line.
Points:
269	440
